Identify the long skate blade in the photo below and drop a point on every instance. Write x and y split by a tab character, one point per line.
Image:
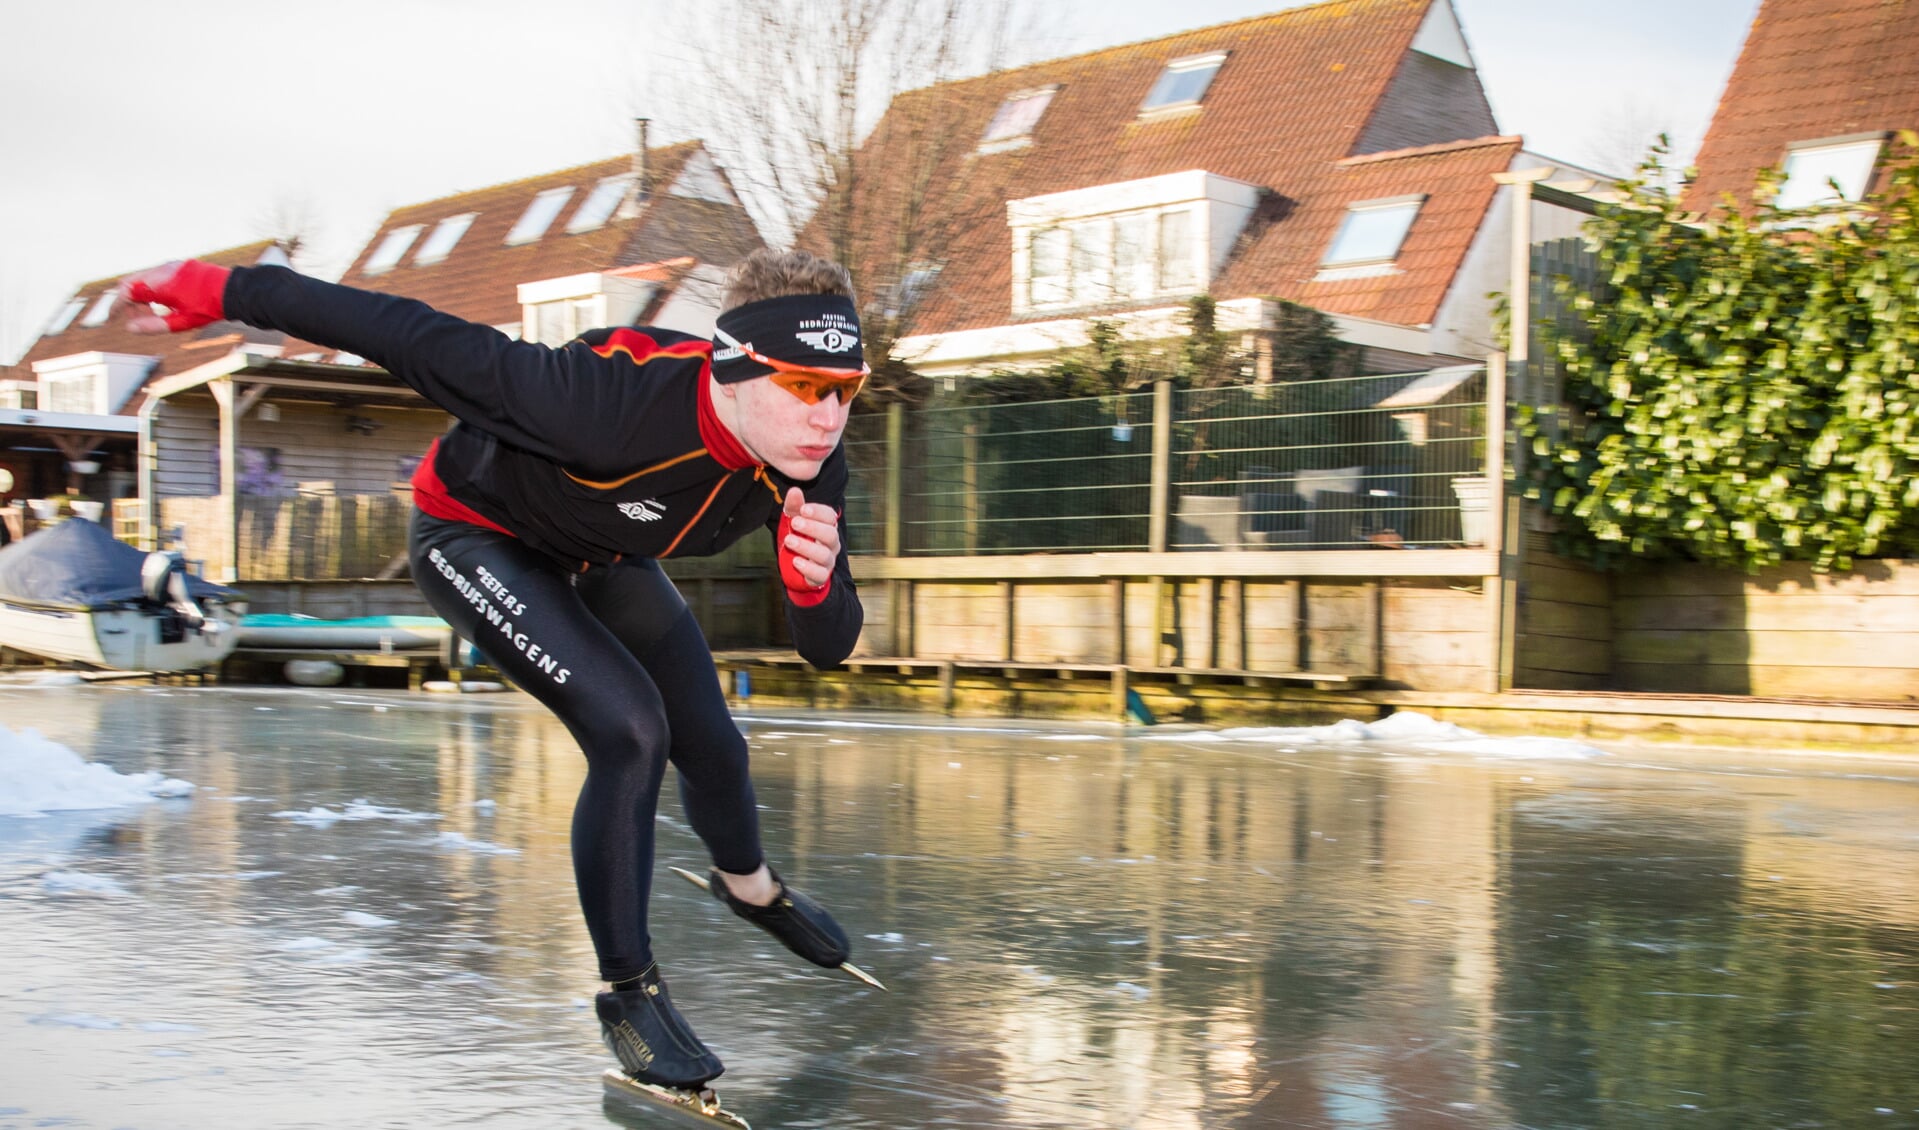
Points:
702	1105
863	975
697	880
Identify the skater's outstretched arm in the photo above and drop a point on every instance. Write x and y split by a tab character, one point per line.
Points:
568	404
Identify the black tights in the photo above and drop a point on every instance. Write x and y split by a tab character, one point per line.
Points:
616	654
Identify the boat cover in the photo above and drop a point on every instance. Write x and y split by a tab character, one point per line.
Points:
77	564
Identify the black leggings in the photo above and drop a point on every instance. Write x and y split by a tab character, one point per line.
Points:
616	654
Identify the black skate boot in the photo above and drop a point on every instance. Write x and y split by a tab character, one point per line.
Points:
651	1039
800	924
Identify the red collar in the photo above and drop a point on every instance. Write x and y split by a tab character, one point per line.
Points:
721	444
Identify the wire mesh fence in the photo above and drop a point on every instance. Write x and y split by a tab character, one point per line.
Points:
1395	460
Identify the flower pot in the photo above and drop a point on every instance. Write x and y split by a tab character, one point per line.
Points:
1475	508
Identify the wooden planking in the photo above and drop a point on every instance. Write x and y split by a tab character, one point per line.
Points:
1891	650
1272	625
1846	684
1877	578
957	621
1063	622
1771	612
1534	678
187	439
1567	621
1586	657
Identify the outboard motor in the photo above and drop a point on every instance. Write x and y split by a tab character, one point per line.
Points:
163	579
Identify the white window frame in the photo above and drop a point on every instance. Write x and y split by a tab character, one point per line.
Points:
66	316
392	249
1094	273
447	235
600	204
58	394
1362	211
539	216
1211	62
1013	123
1818	194
101	310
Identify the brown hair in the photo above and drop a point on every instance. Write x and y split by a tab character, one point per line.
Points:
767	273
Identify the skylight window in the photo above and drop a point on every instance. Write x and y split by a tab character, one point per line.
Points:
1373	231
539	215
1183	83
446	235
102	309
1813	169
1016	117
599	206
388	255
66	315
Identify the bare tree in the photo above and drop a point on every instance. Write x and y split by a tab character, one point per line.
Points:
789	93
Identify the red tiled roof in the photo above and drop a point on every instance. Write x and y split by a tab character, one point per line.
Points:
1810	69
479	280
176	352
1292	101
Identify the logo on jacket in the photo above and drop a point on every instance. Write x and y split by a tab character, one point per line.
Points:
648	511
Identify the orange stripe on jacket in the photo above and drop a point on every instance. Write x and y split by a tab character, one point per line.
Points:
642	348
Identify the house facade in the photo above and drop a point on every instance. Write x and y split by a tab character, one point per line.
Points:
1341	156
1820	92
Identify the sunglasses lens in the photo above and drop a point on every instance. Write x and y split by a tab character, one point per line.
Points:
812	387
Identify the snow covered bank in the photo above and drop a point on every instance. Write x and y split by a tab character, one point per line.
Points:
39	776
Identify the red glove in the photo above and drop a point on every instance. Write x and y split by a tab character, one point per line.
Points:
799	590
193	291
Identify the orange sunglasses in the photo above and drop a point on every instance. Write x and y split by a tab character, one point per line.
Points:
809	384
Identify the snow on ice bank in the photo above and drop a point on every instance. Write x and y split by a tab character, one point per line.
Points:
1409	732
38	776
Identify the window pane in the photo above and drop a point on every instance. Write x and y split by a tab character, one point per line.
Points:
391	249
599	206
1093	261
66	316
1049	267
1176	250
1371	235
539	215
1181	83
102	306
1017	116
441	243
1133	255
583	316
1809	170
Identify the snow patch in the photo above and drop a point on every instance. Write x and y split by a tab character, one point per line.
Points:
479	847
1407	731
320	816
38	775
362	918
81	883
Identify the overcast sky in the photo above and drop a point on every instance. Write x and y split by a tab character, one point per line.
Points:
135	132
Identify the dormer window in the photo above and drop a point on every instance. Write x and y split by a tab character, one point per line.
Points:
446	235
392	249
1183	83
599	206
102	309
1813	168
1372	231
1104	259
1012	125
66	316
539	215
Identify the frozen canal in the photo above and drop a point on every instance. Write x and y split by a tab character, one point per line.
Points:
362	915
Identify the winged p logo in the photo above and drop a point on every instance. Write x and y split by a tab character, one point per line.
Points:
829	340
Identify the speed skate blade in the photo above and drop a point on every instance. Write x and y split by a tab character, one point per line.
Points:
702	1105
847	967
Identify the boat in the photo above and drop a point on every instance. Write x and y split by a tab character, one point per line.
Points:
385	634
72	592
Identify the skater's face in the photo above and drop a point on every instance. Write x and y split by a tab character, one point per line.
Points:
785	432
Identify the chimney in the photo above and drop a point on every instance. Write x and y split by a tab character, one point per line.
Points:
636	196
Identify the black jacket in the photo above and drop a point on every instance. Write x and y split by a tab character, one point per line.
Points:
588	452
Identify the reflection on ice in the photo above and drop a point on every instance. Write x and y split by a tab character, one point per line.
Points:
1392	925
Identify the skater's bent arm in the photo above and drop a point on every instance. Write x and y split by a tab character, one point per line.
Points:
823	614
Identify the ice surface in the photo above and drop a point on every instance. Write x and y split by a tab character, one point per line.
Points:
479	847
320	816
81	883
39	776
1407	731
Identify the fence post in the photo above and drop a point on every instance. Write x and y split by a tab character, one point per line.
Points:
1502	589
1158	518
1162	488
895	461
